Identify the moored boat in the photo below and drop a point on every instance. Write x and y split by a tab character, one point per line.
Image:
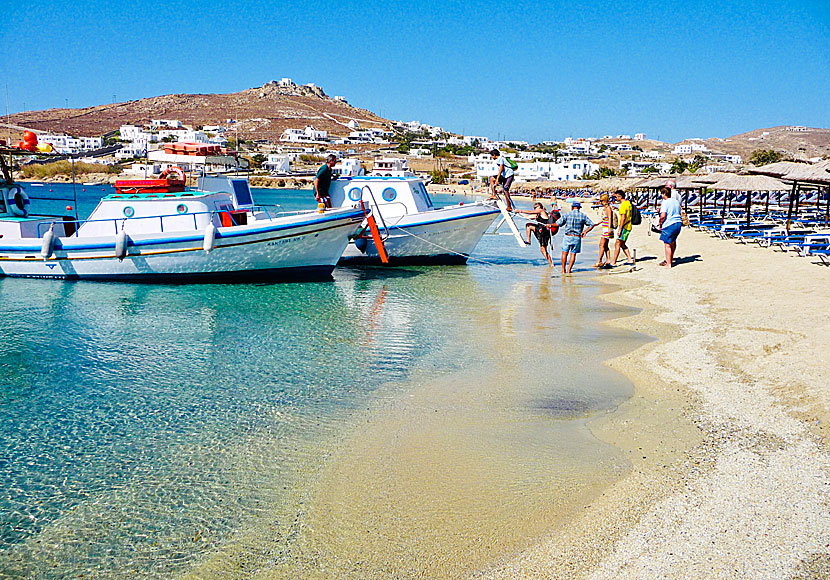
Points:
214	233
412	228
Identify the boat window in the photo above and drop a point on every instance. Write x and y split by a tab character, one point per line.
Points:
423	191
389	194
129	211
355	194
181	208
242	192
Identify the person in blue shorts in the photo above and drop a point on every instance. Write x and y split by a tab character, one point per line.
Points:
670	224
573	227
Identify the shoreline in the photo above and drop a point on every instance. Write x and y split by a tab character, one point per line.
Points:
746	494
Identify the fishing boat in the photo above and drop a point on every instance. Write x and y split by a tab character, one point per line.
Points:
144	233
412	230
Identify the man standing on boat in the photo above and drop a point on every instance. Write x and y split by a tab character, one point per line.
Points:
322	181
503	177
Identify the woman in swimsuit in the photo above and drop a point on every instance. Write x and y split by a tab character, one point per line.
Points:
607	232
539	227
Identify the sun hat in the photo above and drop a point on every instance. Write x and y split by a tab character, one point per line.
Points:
575	203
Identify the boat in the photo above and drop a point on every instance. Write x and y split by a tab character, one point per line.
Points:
213	233
412	229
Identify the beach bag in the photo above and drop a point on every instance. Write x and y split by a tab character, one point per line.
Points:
684	217
553	217
636	218
511	164
615	220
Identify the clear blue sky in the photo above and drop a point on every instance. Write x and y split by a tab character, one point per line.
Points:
525	70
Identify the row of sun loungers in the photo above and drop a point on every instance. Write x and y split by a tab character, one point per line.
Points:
807	236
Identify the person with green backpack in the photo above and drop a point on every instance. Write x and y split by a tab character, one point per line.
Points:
505	171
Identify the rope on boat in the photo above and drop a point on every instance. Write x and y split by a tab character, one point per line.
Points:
443	248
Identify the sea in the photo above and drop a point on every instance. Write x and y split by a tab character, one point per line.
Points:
389	423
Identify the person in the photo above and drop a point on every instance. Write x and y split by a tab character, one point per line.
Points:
322	181
670	224
503	177
574	223
624	228
607	232
539	228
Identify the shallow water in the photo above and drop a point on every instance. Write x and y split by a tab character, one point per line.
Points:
408	422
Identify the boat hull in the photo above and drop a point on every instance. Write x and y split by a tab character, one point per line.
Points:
443	236
299	248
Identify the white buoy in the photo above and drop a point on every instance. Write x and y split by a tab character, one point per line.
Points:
47	247
210	238
121	243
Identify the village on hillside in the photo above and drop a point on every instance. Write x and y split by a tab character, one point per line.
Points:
320	125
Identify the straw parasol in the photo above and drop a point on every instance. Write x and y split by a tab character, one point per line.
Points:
777	169
815	173
743	182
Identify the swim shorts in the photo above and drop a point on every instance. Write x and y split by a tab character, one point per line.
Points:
572	244
670	233
624	235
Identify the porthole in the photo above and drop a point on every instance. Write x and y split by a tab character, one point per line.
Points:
181	208
389	194
355	194
129	211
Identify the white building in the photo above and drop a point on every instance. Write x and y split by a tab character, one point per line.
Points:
307	135
278	163
353	125
687	148
639	136
654	154
134	149
797	129
540	170
68	144
168	123
639	167
213	129
286	82
361	137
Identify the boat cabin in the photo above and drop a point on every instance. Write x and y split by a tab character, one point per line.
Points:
394	196
392	167
16	222
223	200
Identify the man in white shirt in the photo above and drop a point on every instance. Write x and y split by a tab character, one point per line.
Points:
670	224
503	177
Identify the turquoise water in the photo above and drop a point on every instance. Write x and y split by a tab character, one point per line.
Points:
143	428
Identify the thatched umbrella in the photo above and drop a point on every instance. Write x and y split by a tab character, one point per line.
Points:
748	184
777	169
799	173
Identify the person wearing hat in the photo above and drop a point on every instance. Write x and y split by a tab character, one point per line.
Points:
573	226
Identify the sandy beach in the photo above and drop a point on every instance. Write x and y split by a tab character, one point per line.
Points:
726	432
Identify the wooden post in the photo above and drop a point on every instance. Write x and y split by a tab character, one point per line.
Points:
766	208
827	206
790	205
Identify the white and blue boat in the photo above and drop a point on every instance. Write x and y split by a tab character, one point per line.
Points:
213	233
413	230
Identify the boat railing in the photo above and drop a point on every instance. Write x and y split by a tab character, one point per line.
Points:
212	213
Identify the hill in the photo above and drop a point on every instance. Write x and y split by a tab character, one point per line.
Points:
803	144
262	112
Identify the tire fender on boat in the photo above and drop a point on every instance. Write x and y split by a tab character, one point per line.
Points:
18	201
47	247
210	238
121	243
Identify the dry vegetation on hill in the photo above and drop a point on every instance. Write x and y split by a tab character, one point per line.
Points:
263	113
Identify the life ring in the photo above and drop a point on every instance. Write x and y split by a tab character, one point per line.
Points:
18	201
175	169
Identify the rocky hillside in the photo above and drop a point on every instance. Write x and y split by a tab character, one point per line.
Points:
262	113
807	144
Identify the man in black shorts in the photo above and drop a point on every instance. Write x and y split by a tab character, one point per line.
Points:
322	181
539	227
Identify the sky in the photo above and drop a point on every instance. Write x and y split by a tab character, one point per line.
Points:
530	71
